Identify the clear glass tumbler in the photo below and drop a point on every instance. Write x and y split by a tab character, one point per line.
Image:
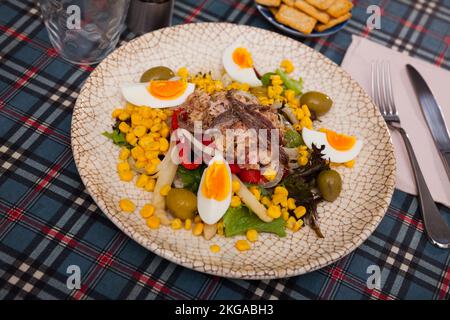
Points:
84	31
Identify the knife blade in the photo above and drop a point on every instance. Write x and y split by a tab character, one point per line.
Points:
433	115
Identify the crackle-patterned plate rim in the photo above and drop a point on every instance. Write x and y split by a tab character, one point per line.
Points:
179	257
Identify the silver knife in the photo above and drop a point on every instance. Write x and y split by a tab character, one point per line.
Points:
433	115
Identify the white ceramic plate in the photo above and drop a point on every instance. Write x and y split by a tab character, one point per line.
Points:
346	223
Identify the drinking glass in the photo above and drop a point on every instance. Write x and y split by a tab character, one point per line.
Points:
84	31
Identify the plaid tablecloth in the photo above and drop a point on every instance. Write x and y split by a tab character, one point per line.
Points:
48	221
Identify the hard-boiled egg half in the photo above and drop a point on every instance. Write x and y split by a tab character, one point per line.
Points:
339	148
238	63
158	93
214	192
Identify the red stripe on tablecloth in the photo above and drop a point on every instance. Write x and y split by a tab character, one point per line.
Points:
27	76
441	56
417	224
14	33
14	214
64	238
445	285
196	12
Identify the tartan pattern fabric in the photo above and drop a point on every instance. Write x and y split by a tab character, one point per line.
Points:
48	220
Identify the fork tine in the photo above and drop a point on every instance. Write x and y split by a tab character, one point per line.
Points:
377	87
390	93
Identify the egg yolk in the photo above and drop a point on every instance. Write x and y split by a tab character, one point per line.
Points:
338	141
216	184
242	58
167	90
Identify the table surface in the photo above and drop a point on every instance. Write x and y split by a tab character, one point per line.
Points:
48	221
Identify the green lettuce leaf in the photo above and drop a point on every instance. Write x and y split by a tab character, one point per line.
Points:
118	138
190	178
238	220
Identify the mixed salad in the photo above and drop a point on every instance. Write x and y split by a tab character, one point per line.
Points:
210	182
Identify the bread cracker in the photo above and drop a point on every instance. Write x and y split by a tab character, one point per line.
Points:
333	22
339	8
312	11
321	4
269	3
295	19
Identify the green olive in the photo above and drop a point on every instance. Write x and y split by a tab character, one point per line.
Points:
259	91
330	184
182	203
157	73
317	101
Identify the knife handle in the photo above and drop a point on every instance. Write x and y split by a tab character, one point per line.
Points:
437	230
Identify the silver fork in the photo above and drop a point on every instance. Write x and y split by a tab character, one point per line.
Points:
382	93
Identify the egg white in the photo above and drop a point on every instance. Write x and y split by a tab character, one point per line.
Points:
329	153
243	75
211	210
139	95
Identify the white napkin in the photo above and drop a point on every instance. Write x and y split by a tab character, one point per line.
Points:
357	62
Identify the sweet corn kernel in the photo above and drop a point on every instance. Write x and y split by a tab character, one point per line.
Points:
165	190
153	222
147	211
214	248
298	127
136	119
300	211
139	131
220	228
176	224
156	127
137	152
297	225
127	205
281	190
124	127
287	65
198	229
306	111
142	181
163	144
164	132
124	153
274	211
131	138
116	113
290	223
126	176
299	114
124	115
150	185
278	198
291	203
252	235
145	142
123	166
235	201
256	192
183	73
150	168
140	164
283	202
235	186
197	219
242	245
285	214
187	224
306	123
154	146
303	161
266	201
